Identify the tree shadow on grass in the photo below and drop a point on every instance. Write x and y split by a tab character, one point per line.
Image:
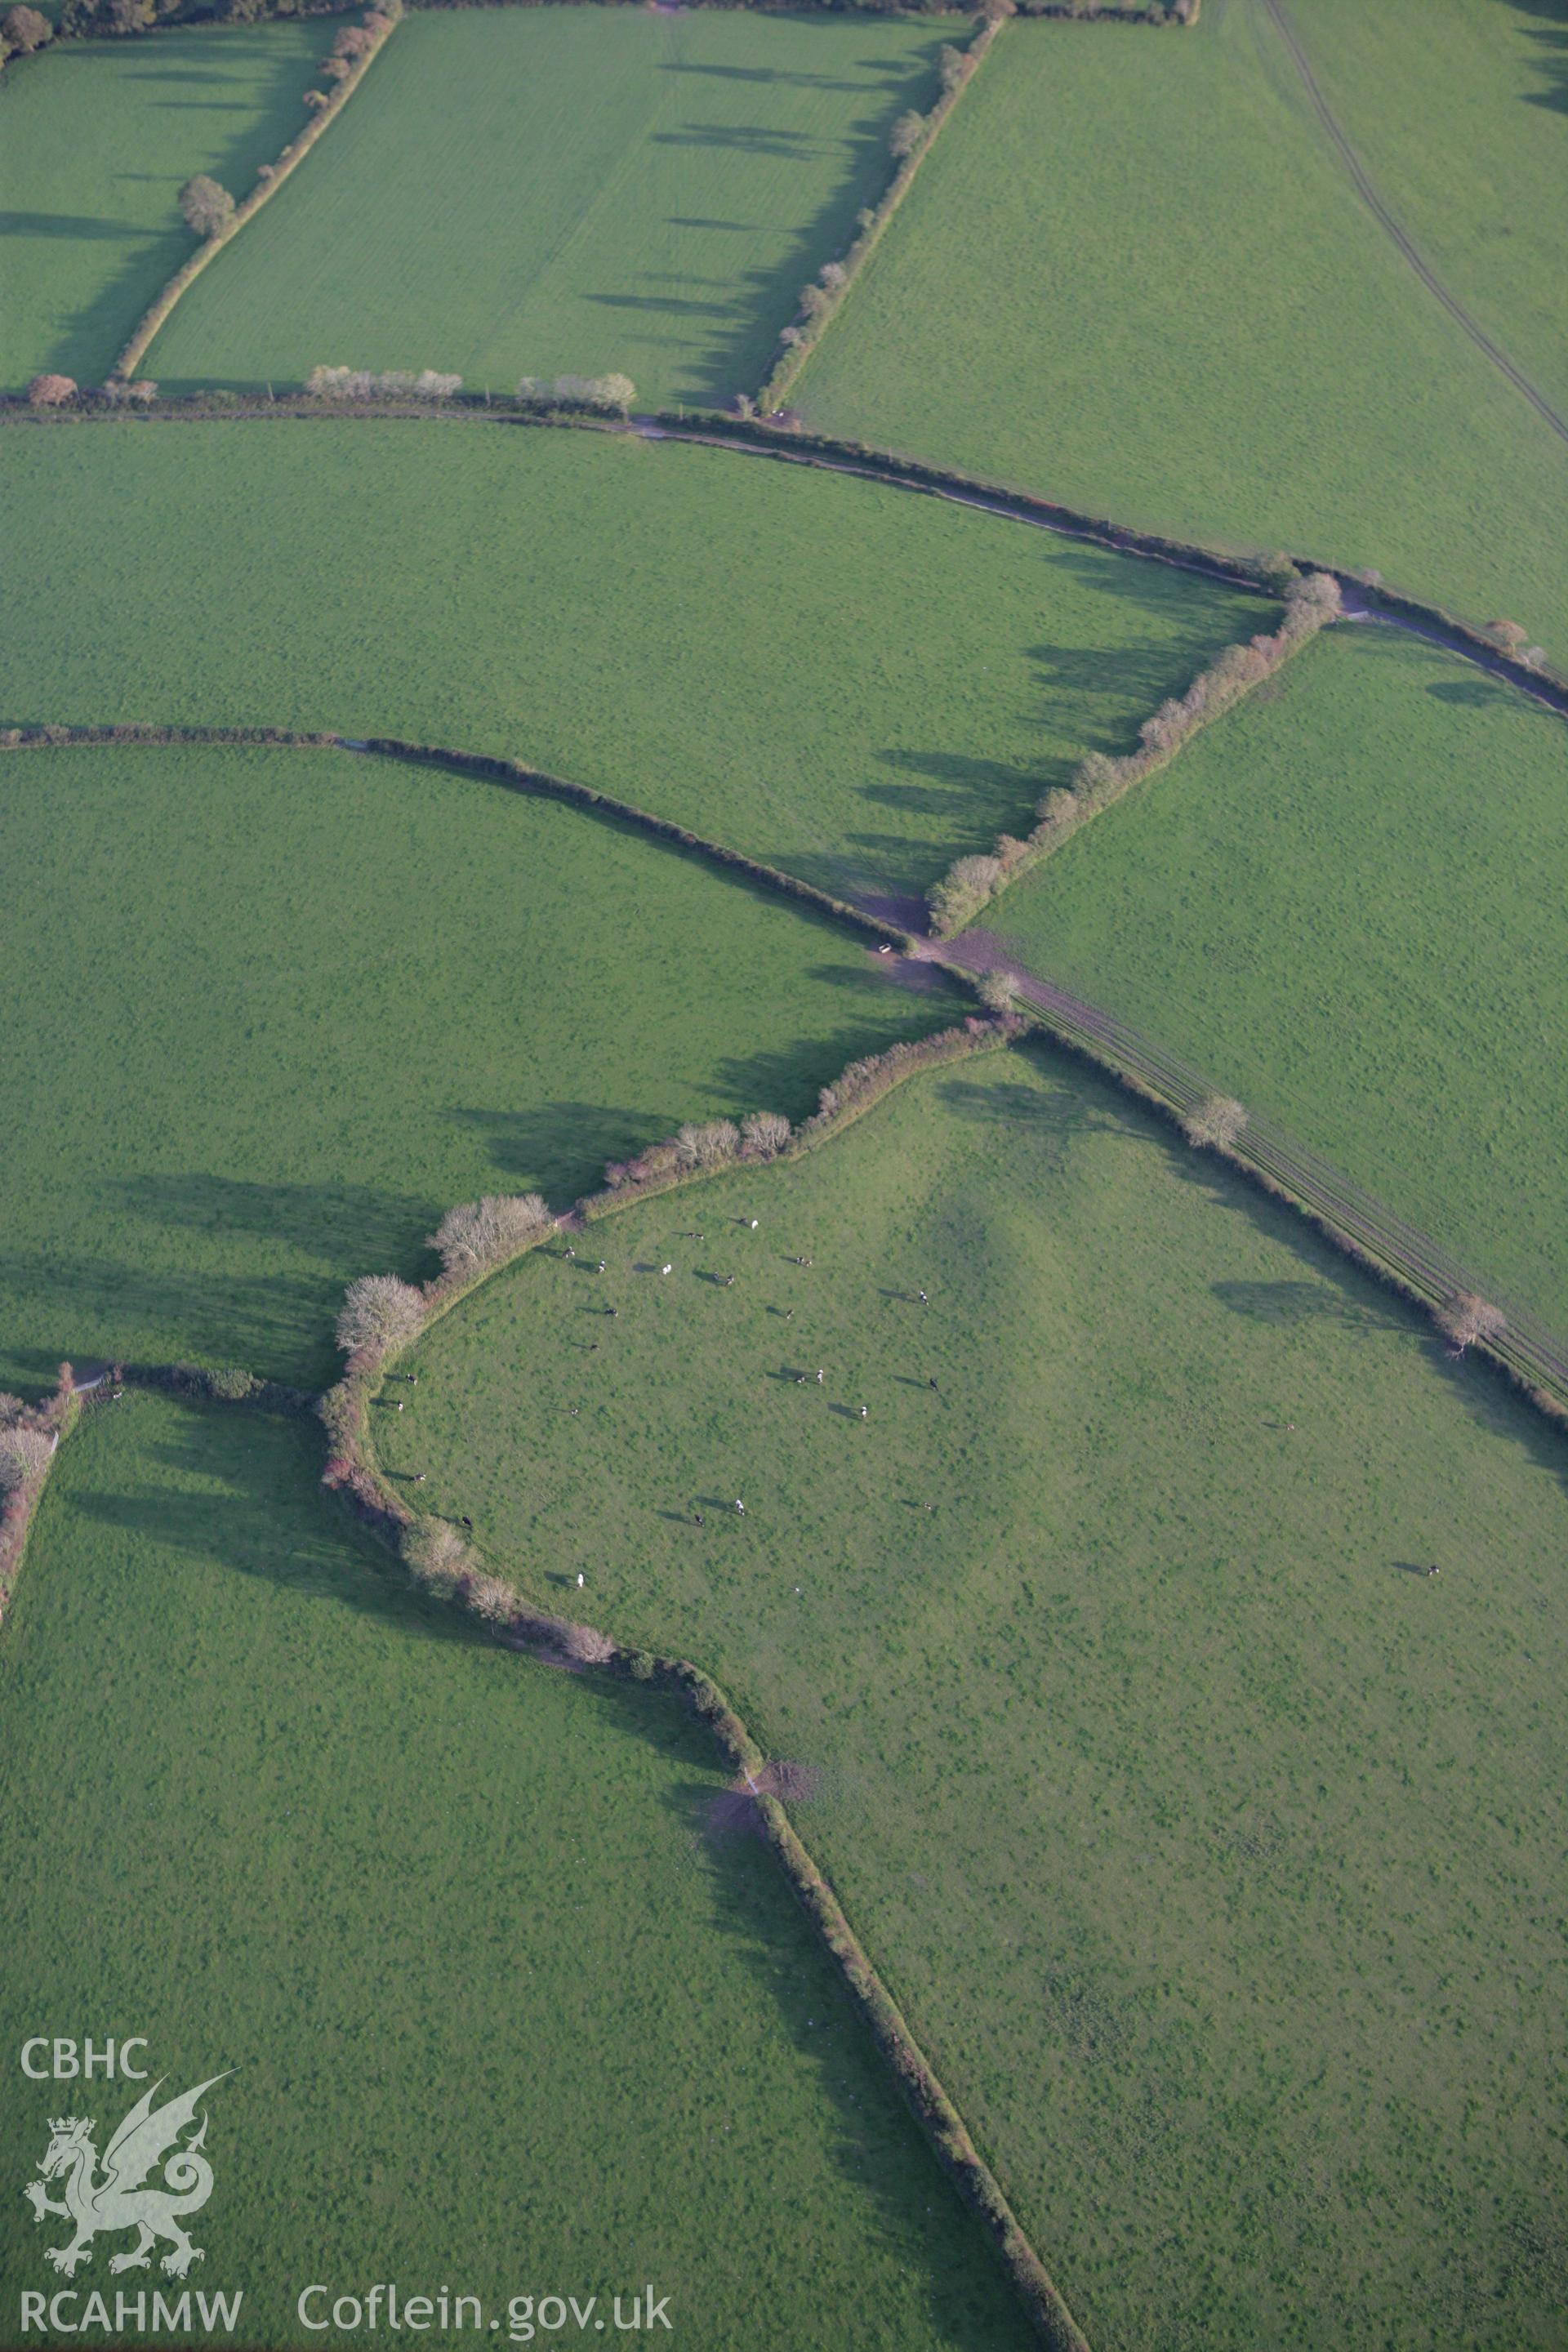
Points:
875	2143
766	299
1349	1294
88	340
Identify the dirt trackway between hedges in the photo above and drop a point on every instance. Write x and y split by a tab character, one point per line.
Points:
1407	252
1352	1217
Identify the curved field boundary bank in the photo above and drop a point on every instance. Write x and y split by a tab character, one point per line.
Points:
1361	600
1364	599
354	1472
380	29
1357	1223
1408	253
511	774
1408	1261
831	291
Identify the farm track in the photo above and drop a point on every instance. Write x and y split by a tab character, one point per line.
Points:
1266	1152
1344	1210
1408	253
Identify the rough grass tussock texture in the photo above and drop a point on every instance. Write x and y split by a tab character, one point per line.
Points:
858	736
534	993
1297	386
94	229
352	1827
717	160
1400	1007
1206	1842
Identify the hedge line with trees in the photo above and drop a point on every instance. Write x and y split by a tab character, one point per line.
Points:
971	882
211	210
383	1315
1215	1122
910	141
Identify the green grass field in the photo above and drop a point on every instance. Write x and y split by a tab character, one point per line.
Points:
1212	1846
1134	275
716	161
96	141
1456	108
269	1014
1341	902
751	650
503	2018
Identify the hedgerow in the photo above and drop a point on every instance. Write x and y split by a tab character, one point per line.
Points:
1099	780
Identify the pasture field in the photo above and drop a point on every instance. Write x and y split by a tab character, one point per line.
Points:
715	160
1197	325
270	1013
503	2017
1456	110
750	649
89	227
1344	902
1211	1845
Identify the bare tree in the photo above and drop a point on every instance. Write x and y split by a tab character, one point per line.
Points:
587	1644
206	207
1470	1321
483	1233
612	391
24	30
379	1312
437	1554
490	1599
766	1133
1512	636
51	391
1216	1123
997	990
24	1455
710	1145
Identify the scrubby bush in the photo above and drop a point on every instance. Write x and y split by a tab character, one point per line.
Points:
641	1664
206	207
436	1555
1216	1123
490	1599
378	1312
1470	1321
907	133
51	391
485	1233
587	1645
766	1133
25	1455
617	392
997	990
962	892
23	30
709	1145
391	383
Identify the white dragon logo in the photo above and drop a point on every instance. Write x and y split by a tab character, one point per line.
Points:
119	2201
